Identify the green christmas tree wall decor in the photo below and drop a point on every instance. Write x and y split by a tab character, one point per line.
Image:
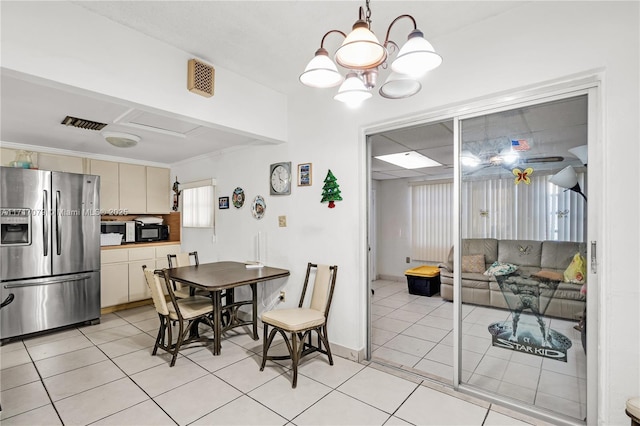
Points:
330	190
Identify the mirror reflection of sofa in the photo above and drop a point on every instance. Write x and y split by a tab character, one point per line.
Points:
548	260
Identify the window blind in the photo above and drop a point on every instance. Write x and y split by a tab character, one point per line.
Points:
431	221
494	208
198	204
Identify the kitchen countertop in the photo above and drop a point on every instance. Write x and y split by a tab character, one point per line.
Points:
136	245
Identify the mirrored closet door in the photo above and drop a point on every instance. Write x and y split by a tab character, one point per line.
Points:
523	255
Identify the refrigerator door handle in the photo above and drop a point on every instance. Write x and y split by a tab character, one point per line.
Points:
32	283
45	222
58	227
7	301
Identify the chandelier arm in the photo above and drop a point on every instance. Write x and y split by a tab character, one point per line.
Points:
415	26
392	43
329	32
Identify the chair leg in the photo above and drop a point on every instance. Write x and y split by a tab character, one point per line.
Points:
176	348
322	333
265	346
160	336
293	349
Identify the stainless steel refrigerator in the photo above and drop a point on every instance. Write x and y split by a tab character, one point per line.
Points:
49	250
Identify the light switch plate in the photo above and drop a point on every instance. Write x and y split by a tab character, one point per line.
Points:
282	221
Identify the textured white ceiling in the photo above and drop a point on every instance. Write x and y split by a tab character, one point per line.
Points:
269	42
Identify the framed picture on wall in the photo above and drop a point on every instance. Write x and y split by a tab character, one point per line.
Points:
304	174
223	203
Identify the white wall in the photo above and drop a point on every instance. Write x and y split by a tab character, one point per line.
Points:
531	45
535	43
394	228
69	45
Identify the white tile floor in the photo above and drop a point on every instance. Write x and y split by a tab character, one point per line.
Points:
416	333
105	375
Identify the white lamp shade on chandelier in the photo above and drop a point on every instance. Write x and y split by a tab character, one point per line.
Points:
353	91
398	86
362	54
416	57
361	49
321	72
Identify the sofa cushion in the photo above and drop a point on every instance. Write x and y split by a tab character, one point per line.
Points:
558	254
501	268
576	272
486	246
473	263
520	252
549	275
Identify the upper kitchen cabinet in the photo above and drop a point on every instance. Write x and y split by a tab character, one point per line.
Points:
45	161
158	190
109	189
132	187
60	163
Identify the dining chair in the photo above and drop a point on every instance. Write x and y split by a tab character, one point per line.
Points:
186	312
183	259
300	322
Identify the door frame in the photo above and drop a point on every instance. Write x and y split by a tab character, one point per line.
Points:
587	83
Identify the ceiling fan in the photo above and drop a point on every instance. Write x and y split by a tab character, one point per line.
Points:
510	158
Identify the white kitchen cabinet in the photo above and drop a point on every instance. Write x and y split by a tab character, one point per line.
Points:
60	163
163	251
114	284
158	190
109	184
7	155
133	188
121	272
138	289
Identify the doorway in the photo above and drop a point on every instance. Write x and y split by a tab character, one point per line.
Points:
519	201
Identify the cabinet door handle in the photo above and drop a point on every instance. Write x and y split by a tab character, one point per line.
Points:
594	258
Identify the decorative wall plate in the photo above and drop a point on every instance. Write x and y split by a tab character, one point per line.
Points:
238	197
258	207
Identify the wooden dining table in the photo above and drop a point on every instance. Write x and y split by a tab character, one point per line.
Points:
225	276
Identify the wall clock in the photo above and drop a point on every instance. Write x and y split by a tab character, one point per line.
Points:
280	178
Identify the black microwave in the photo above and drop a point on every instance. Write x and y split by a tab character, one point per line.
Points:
151	232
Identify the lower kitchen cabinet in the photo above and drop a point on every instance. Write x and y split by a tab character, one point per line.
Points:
114	284
121	272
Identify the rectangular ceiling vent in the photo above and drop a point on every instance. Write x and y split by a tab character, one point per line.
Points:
200	78
82	124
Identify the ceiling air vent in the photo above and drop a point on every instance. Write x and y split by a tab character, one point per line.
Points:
200	78
82	123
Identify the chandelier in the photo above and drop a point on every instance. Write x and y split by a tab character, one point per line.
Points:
362	55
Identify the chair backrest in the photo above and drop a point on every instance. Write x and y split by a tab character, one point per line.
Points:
323	286
155	285
183	259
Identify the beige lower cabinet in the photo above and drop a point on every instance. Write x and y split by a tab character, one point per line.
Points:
138	289
114	277
121	272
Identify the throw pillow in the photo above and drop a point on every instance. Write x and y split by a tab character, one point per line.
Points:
576	272
499	268
549	275
473	263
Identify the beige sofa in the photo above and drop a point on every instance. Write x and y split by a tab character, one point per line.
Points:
564	301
